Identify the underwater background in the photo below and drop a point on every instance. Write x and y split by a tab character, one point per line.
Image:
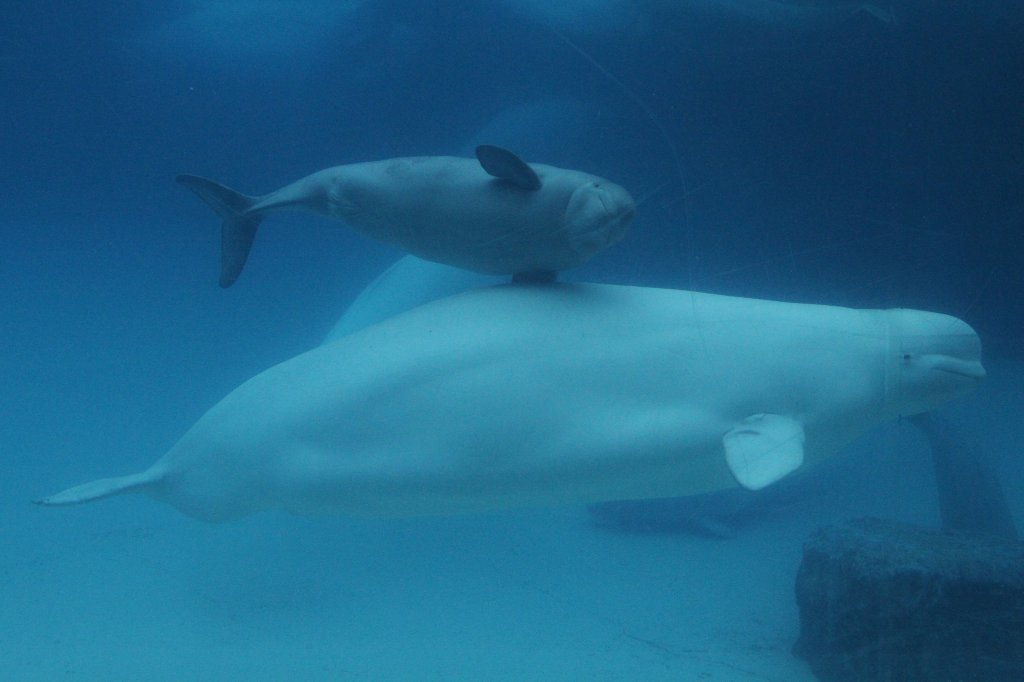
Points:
846	153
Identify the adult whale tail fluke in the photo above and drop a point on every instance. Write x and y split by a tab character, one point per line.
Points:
238	228
99	489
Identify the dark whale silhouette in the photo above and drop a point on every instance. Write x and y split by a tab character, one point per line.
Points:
971	498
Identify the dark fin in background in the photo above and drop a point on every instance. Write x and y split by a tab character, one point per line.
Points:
238	228
501	163
971	498
535	277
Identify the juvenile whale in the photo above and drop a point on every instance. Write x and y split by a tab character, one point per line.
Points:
521	395
494	214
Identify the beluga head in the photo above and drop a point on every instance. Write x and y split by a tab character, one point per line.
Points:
598	215
932	359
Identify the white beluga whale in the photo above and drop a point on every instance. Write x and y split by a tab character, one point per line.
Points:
524	395
495	214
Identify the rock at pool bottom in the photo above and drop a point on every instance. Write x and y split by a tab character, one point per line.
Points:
886	601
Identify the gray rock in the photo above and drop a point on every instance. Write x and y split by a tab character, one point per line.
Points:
886	601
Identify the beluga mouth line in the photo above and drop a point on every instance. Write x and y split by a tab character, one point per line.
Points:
495	214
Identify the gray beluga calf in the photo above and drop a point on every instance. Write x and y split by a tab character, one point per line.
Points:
495	214
521	395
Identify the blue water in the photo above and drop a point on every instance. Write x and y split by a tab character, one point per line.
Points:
792	151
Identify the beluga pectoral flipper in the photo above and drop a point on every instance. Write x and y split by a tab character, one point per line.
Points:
494	214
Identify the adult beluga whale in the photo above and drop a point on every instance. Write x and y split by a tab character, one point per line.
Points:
521	395
495	214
